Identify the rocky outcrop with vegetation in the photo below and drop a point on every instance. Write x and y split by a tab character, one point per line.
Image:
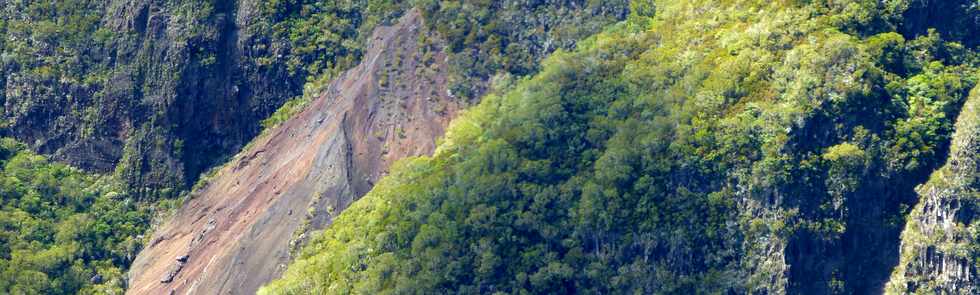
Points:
320	155
150	94
159	91
941	242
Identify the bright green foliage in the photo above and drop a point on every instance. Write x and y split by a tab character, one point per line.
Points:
719	146
59	227
930	96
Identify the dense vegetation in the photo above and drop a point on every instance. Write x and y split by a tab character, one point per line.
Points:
55	47
63	231
511	37
713	147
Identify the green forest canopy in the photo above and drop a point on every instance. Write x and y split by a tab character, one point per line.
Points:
706	149
63	231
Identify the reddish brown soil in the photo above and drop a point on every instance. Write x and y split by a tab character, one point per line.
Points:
239	230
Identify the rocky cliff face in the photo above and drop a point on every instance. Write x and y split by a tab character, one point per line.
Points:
237	233
940	243
161	89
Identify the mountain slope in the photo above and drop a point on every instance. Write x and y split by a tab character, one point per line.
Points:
293	180
158	91
239	229
941	241
719	146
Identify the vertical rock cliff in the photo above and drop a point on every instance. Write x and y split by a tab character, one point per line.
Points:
237	233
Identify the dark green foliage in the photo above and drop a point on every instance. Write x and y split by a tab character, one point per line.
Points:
159	91
327	36
956	20
719	147
489	37
57	48
726	146
60	227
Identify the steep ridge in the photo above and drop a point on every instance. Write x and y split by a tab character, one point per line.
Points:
237	232
941	241
732	147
